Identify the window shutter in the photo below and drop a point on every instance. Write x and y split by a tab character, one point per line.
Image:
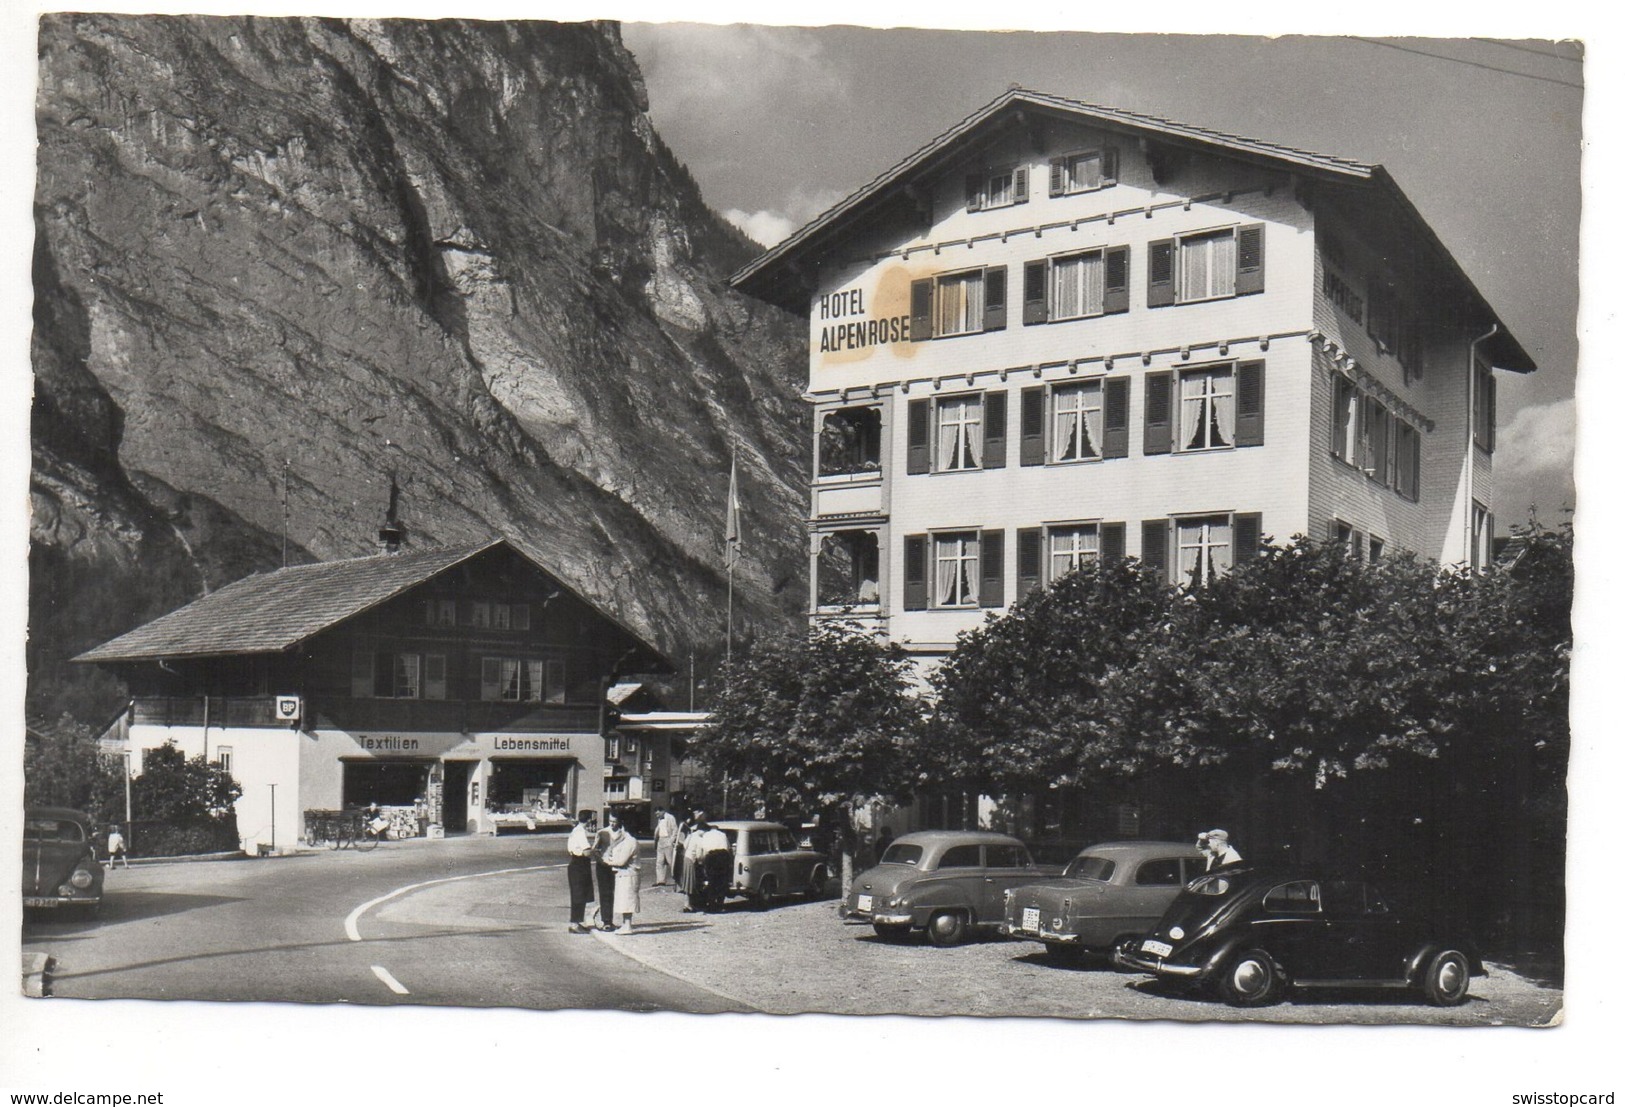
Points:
1333	528
1246	533
1154	547
1021	184
490	678
1159	289
1035	292
1116	418
1032	425
1489	410
1379	446
1159	410
1108	166
1340	398
361	673
1113	543
1250	403
1249	259
1116	292
995	426
919	436
1029	559
973	193
914	550
1057	176
992	568
920	309
993	298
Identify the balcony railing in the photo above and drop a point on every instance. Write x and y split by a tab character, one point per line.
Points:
346	713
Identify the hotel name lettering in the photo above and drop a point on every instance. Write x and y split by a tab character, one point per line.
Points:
855	334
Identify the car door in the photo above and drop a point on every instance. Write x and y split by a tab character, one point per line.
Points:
1135	903
1364	940
1007	865
798	862
1289	924
960	878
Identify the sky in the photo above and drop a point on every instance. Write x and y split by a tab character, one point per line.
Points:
779	123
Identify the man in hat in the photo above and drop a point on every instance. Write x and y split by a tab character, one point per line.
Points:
1216	844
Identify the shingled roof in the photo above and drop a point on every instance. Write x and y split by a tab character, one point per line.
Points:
271	612
776	276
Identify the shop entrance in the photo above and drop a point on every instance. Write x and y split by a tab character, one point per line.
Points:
386	783
454	800
528	785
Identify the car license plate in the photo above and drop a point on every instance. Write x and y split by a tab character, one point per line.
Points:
1158	949
866	903
1029	918
39	901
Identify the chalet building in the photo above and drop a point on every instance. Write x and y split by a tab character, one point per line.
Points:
460	688
1062	332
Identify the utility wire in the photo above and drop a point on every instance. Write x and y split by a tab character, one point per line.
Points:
1464	61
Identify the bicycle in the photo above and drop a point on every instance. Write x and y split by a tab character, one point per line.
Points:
367	836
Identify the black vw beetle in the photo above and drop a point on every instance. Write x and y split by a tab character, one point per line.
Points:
1251	933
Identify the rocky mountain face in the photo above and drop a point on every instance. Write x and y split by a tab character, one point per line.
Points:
283	263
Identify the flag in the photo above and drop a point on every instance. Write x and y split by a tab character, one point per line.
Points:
731	535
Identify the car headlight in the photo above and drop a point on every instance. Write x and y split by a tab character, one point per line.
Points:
1009	894
81	879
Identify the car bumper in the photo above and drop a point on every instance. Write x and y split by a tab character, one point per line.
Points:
1015	930
891	918
1133	962
61	901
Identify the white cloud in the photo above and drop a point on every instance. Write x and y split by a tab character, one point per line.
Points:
1534	462
768	228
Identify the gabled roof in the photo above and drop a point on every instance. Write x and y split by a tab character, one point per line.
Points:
275	611
775	276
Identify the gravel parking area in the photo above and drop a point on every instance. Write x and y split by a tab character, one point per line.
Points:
800	957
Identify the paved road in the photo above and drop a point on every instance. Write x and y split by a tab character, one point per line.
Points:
470	922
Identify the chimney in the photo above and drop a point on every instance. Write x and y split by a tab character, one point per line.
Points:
392	534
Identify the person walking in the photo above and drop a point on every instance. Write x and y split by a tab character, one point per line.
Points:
692	878
622	857
606	876
115	847
579	873
665	846
1216	844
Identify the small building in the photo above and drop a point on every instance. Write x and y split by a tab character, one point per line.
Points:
451	685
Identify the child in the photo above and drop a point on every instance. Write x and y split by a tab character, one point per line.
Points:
115	848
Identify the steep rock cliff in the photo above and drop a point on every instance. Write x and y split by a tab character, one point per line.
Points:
312	256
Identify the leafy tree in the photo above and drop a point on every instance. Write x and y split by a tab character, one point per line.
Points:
173	788
65	768
820	723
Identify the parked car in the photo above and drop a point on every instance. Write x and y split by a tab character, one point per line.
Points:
769	861
1106	893
1252	933
59	862
948	883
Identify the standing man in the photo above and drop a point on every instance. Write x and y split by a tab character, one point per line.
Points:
606	875
579	847
1216	844
622	858
665	846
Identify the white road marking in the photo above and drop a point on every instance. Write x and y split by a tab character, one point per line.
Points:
389	981
355	916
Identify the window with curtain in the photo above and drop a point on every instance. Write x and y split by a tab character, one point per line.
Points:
959	433
1207	266
1071	548
1207	409
959	303
396	676
1204	549
1083	171
1075	418
958	565
1078	286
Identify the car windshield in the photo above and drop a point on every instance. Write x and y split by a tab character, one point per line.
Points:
903	853
1213	885
52	830
1090	868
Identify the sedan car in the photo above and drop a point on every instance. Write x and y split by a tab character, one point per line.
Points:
769	861
1106	893
1252	933
947	883
59	863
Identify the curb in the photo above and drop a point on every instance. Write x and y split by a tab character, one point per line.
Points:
748	1008
36	971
